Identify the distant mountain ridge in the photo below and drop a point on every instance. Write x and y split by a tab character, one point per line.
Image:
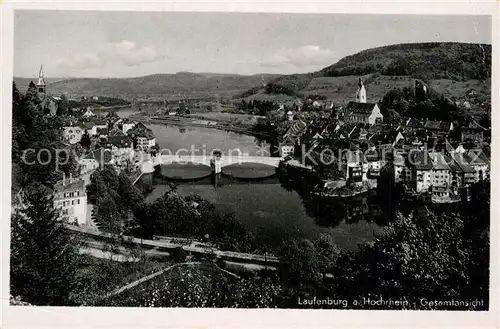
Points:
156	84
428	61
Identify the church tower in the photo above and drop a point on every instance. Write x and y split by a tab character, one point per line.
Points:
361	93
41	86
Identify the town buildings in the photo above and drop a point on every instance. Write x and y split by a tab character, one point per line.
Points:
428	157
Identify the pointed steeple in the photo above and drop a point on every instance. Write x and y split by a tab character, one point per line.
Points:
361	92
41	81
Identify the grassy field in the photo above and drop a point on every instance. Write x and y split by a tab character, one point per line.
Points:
343	89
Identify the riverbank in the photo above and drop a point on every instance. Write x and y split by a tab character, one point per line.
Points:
181	121
346	191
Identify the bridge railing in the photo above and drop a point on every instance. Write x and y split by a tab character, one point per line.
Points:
225	160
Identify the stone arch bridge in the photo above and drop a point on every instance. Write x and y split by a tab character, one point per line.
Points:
222	161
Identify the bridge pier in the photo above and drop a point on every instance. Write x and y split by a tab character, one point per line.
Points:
215	164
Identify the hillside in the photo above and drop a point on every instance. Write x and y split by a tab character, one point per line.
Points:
161	85
450	68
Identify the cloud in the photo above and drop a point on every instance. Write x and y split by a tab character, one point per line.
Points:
82	61
125	52
305	57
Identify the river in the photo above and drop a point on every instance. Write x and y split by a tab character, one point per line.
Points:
269	210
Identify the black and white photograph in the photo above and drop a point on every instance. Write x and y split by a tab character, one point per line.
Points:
246	160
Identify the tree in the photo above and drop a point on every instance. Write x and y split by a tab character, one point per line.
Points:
108	217
179	255
63	107
300	262
423	255
391	116
41	134
130	194
485	120
18	133
43	254
86	142
328	252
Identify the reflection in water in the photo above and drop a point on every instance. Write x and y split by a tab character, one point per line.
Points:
271	208
331	212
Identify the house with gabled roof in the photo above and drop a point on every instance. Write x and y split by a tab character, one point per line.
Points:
292	138
481	168
121	146
440	174
362	113
439	127
467	172
472	132
421	164
94	159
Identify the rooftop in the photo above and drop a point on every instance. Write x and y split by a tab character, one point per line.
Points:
360	108
67	184
462	163
101	155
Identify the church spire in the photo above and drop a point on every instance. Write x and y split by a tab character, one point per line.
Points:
361	93
41	81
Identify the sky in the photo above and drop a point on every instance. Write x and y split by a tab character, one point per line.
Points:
131	44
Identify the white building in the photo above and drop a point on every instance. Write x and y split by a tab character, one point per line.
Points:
440	174
422	165
121	146
146	140
100	124
89	127
95	159
70	197
127	125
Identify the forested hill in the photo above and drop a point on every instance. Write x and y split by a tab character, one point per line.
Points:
448	61
454	61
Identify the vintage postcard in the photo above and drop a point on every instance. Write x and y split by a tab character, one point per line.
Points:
247	167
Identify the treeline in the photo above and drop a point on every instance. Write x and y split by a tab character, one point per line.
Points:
259	107
193	217
289	84
114	197
402	102
33	129
455	61
101	101
43	256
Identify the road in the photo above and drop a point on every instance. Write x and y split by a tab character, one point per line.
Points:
190	249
